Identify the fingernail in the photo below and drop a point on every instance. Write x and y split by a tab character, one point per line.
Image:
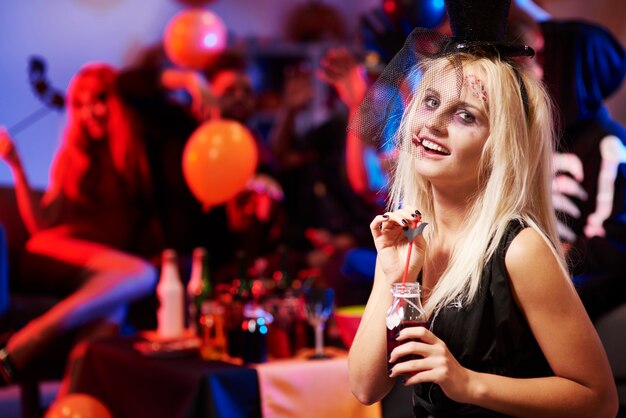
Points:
414	215
417	212
404	222
386	216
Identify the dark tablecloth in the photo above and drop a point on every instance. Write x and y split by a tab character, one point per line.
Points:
133	385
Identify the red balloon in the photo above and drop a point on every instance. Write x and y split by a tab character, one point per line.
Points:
194	38
218	160
78	405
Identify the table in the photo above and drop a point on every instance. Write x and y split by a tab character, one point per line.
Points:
133	385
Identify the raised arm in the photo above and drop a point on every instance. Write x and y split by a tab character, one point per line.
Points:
30	208
340	69
367	359
297	94
204	104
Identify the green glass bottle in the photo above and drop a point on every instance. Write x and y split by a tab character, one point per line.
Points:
244	284
199	288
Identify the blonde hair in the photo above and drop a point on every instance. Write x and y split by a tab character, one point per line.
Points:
514	174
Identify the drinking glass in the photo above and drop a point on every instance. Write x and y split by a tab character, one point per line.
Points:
319	304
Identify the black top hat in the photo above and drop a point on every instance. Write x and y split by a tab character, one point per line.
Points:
481	24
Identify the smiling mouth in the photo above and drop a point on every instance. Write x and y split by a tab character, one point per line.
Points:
431	146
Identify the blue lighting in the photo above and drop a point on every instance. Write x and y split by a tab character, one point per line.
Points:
263	329
260	321
438	4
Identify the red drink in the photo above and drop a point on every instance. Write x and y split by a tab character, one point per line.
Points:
392	343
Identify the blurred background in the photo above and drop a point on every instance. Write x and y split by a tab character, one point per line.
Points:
68	33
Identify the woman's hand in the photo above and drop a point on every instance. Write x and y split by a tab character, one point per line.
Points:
8	152
436	364
392	245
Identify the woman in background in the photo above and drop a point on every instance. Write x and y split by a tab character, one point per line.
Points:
90	224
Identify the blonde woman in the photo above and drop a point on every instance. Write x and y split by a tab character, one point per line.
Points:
507	334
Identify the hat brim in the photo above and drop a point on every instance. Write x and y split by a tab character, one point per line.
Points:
503	49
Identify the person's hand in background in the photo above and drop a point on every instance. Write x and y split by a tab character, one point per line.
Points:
339	68
298	90
257	202
204	105
566	186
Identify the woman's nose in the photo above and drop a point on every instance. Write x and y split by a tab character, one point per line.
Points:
438	121
98	110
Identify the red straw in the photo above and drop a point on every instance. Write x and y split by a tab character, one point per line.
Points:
408	256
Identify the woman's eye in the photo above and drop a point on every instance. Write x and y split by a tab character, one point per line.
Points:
431	102
467	117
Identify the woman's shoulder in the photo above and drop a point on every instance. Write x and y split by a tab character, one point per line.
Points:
528	244
531	258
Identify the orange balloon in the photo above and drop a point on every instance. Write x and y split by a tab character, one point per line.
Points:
194	37
218	160
78	405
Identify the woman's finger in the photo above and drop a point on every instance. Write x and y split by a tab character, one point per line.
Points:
421	333
378	222
412	365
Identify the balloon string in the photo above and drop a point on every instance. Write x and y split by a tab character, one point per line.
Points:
28	120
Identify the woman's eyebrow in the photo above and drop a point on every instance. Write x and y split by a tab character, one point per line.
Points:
467	104
432	92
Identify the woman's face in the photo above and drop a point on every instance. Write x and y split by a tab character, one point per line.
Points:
452	129
90	108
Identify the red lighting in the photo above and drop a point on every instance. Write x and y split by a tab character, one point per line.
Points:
389	6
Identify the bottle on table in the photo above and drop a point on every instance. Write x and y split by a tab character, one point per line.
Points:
212	330
254	329
285	309
206	313
241	291
170	313
199	287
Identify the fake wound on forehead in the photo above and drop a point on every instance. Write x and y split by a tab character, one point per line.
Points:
475	87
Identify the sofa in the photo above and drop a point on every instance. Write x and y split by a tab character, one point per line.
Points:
17	307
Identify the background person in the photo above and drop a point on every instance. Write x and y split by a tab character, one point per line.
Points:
90	226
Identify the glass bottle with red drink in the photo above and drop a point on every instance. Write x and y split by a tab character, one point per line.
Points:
405	311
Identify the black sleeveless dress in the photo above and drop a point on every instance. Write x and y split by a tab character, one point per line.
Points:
491	335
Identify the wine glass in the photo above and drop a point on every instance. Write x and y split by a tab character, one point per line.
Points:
319	304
